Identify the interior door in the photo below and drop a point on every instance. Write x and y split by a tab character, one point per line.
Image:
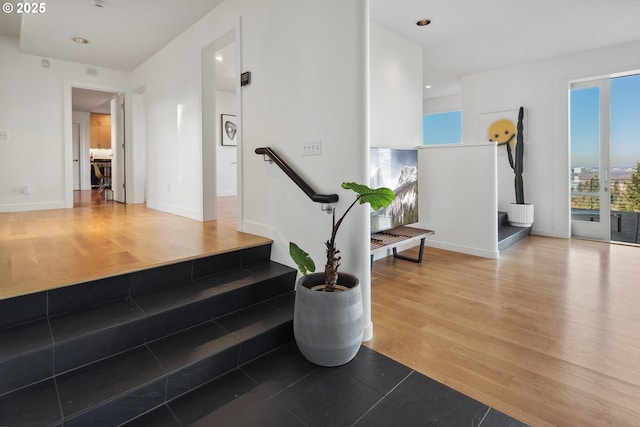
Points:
118	159
590	146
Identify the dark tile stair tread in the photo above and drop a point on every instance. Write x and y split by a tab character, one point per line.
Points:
509	230
509	235
279	368
238	278
120	387
36	405
75	324
284	302
220	401
270	269
24	338
228	281
159	417
253	321
276	415
104	380
168	299
191	345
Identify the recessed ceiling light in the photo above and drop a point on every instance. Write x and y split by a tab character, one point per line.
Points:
423	22
427	87
219	58
80	40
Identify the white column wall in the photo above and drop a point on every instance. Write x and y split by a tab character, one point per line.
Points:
309	62
396	90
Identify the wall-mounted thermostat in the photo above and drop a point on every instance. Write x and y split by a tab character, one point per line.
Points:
245	78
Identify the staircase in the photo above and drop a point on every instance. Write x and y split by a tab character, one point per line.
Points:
105	352
508	234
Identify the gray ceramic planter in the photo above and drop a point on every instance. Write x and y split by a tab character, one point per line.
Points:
328	325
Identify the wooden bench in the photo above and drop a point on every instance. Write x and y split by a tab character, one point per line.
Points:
383	240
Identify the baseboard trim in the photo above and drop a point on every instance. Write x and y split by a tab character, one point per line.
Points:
23	207
469	250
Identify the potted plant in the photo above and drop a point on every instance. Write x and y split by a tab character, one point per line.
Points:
327	319
520	213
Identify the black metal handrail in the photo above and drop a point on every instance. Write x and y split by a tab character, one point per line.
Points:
300	182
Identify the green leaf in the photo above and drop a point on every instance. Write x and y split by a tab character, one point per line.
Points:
301	258
377	198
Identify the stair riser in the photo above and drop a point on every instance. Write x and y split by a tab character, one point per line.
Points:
28	369
83	350
27	308
107	351
182	381
123	408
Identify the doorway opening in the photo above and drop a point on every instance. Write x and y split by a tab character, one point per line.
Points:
98	147
221	135
605	159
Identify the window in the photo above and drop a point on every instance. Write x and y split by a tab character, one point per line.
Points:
442	128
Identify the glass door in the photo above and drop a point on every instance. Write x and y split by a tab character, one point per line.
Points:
589	140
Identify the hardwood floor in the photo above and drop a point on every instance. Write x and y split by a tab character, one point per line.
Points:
43	250
549	333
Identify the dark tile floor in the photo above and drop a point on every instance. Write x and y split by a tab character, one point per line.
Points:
283	389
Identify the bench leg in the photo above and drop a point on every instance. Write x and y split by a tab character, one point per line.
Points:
418	260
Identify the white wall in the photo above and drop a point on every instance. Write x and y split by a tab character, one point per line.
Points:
446	193
396	95
442	104
396	90
307	84
308	59
172	95
137	185
31	111
226	156
458	197
542	88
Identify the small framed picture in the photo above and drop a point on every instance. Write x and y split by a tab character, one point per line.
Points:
229	129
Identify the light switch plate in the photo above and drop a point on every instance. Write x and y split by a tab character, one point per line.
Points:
312	148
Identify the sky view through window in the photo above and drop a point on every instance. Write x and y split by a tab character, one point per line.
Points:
624	124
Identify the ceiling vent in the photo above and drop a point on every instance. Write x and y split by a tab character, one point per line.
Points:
98	3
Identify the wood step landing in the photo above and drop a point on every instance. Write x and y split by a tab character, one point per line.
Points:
105	352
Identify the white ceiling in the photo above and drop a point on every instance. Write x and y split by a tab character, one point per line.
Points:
122	33
472	36
465	37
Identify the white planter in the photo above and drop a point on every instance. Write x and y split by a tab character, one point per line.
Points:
328	326
520	215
